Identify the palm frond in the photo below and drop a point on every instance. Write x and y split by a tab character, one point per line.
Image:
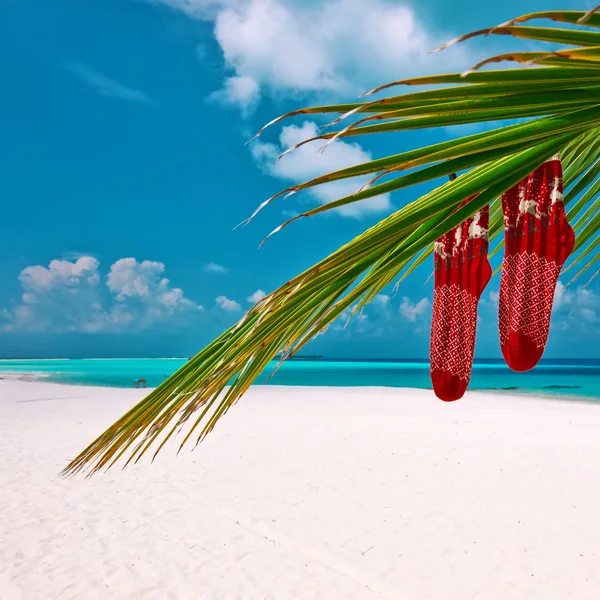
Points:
559	97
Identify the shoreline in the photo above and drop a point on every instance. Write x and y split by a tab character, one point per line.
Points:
31	376
34	377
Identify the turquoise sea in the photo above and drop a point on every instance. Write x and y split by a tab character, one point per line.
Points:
566	377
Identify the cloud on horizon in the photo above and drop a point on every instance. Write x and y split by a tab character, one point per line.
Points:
67	296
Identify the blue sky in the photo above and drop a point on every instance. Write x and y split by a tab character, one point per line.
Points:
125	170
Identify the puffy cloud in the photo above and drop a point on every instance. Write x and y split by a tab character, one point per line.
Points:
576	306
410	311
285	49
59	273
64	292
224	303
256	297
105	86
213	267
382	300
305	163
383	317
129	279
239	91
66	296
142	281
341	46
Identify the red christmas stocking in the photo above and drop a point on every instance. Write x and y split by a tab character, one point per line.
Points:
462	271
538	240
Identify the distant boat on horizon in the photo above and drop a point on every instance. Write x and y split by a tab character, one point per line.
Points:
303	357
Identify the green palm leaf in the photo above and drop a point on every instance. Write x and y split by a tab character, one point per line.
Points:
560	97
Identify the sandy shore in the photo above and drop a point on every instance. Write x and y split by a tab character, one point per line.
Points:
306	493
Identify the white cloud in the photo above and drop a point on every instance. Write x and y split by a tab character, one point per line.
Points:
59	273
341	46
576	306
559	294
129	279
212	267
313	51
105	86
66	296
65	292
589	314
305	163
142	281
411	311
224	303
382	300
239	91
382	317
256	297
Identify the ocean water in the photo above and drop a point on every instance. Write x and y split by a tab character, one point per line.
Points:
567	377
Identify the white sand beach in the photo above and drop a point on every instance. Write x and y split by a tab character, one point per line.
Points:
308	493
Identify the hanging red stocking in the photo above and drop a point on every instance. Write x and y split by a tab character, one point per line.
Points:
462	271
538	240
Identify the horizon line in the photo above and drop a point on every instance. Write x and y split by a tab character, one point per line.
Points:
323	358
